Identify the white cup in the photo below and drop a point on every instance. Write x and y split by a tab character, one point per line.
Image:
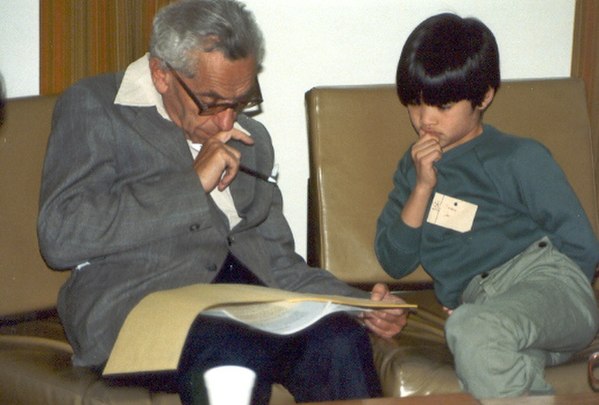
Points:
229	385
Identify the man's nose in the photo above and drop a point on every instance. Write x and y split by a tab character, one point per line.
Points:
225	119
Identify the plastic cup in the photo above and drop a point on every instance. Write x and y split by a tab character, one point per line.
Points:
229	385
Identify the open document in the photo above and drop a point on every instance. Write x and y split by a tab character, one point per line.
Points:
154	333
281	317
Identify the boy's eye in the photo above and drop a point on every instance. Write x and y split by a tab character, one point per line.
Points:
446	106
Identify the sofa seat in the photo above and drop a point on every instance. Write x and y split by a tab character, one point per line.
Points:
36	368
418	361
35	365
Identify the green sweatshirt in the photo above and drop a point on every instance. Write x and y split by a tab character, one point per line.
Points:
520	195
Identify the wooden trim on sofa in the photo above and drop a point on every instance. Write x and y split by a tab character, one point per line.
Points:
585	63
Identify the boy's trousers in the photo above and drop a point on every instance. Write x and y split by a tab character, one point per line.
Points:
536	310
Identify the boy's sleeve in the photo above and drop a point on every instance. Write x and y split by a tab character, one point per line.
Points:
397	245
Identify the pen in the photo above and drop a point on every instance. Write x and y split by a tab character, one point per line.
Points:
270	179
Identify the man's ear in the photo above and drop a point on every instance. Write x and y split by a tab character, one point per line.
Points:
487	100
159	75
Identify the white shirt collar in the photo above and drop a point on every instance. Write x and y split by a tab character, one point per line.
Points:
137	88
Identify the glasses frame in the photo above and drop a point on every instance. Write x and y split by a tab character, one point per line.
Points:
212	109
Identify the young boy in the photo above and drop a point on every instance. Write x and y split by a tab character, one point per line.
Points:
490	216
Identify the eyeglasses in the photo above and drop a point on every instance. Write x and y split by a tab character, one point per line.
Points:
211	109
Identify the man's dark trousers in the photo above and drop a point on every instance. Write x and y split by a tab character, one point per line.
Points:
330	360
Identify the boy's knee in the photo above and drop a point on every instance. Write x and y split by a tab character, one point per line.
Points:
472	330
485	346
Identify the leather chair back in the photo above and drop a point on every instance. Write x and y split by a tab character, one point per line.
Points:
26	283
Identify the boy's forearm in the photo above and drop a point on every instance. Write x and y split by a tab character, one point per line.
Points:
415	208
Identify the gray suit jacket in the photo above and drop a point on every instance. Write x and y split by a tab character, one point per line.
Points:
121	201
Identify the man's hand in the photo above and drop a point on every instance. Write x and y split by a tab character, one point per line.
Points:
388	322
217	163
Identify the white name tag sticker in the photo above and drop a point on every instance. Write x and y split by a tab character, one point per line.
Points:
451	213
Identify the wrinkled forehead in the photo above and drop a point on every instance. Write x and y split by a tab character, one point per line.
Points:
228	78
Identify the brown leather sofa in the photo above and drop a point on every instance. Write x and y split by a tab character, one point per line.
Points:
356	138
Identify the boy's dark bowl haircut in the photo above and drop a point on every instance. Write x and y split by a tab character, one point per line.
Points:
448	59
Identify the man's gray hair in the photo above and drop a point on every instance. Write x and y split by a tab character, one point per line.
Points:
182	29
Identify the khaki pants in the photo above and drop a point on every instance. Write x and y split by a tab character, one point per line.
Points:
535	310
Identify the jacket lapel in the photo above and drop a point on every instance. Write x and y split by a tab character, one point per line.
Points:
165	136
250	195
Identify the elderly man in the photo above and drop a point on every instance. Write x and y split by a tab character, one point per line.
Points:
142	191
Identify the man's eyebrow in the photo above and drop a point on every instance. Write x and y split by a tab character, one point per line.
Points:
210	94
214	95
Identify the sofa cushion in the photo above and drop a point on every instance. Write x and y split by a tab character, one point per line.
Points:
36	368
418	362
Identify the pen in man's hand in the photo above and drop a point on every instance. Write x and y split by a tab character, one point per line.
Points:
270	179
